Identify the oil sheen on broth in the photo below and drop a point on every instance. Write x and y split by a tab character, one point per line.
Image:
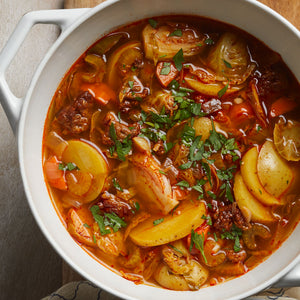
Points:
171	151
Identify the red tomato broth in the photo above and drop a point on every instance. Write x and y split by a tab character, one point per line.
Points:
76	114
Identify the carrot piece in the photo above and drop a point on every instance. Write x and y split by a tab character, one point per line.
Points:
166	72
282	106
241	112
100	91
54	175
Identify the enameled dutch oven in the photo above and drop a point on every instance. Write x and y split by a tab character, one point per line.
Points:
80	28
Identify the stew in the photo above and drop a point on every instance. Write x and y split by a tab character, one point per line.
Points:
171	151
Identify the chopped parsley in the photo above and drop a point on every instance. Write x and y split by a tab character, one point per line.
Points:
137	206
222	92
199	187
178	59
183	184
114	221
153	23
158	221
131	83
166	69
111	220
226	176
117	185
207	169
208	219
122	148
174	248
198	241
227	64
95	210
234	234
176	32
186	165
209	41
67	167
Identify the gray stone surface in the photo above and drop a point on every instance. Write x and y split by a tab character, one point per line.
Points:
29	267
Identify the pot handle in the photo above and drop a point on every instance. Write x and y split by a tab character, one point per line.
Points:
63	18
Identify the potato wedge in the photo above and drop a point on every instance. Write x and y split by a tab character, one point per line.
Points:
246	201
87	159
210	89
173	227
203	127
249	173
273	172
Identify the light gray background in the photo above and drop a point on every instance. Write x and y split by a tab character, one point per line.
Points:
29	267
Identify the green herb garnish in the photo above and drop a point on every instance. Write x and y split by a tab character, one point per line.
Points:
95	210
176	32
158	221
178	60
183	184
227	64
174	248
153	23
122	148
67	167
198	241
166	69
114	221
209	41
222	92
117	185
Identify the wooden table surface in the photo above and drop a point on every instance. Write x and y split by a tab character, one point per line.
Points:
30	268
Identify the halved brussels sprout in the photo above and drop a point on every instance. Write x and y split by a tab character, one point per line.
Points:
106	44
161	44
287	139
99	68
156	101
122	61
230	59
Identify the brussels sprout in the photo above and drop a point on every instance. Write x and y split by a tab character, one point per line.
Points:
287	139
161	44
230	59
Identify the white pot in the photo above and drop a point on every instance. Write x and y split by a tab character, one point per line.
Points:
80	28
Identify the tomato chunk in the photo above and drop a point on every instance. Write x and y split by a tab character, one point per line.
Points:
166	72
282	106
241	112
101	92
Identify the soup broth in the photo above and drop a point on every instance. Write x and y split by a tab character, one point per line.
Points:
171	151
